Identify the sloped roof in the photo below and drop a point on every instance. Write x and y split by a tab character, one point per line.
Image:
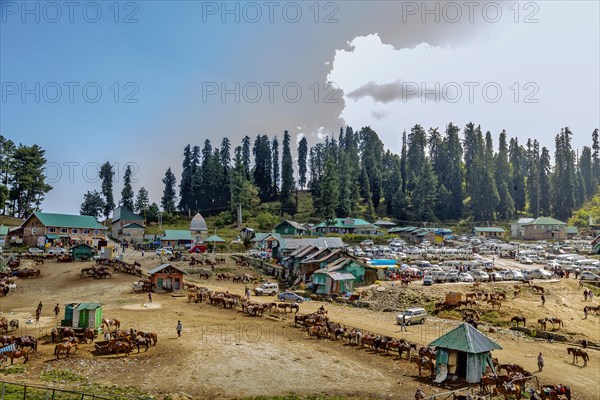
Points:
524	221
3	230
466	338
341	276
571	230
164	266
384	223
293	224
260	236
216	239
133	225
488	229
302	251
125	214
88	306
67	220
341	223
198	223
400	229
546	221
172	234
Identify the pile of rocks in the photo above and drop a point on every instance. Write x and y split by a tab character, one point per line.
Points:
395	298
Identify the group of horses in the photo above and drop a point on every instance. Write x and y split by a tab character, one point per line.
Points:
543	323
230	301
96	272
6	325
126	341
23	346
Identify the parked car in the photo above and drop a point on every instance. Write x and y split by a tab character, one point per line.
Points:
412	316
517	275
480	276
367	242
589	276
57	250
427	280
291	296
506	275
439	276
198	248
525	260
452	276
164	251
495	277
539	273
465	277
270	289
35	250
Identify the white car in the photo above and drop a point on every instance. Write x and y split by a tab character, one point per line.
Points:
539	274
589	276
517	275
479	275
35	250
165	251
506	275
465	277
57	250
525	260
495	277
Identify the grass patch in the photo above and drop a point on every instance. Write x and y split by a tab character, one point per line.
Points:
452	314
494	318
61	375
14	369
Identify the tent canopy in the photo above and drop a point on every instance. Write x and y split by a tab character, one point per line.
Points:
466	338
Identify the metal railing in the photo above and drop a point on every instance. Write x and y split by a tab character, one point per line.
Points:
18	391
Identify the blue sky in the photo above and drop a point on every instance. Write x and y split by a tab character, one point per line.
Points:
177	50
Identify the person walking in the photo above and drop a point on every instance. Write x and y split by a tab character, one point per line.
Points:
540	360
543	300
149	297
585	294
590	295
142	252
585	312
403	325
247	293
179	328
56	310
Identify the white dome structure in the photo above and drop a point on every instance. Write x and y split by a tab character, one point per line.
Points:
198	224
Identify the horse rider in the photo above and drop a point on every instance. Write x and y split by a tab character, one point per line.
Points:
56	310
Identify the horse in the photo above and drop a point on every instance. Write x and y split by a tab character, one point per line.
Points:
486	381
494	303
508	389
119	345
578	353
556	321
424	362
14	324
64	348
406	347
28	341
542	323
111	322
538	289
517	319
24	353
141	341
428	352
295	306
552	392
88	334
4	324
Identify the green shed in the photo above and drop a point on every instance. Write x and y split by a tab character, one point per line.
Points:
82	252
83	315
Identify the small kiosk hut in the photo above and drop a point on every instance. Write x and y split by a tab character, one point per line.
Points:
464	352
80	316
166	278
82	252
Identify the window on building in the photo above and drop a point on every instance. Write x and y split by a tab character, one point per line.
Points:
52	230
63	230
86	231
96	231
75	231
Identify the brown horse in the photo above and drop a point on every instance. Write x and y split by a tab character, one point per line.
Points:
88	334
111	322
425	363
64	348
119	346
556	321
4	324
17	354
508	389
295	306
14	324
542	323
517	319
578	353
406	347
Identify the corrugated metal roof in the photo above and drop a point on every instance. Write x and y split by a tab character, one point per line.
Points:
546	221
172	234
466	338
163	266
88	306
3	230
488	229
341	276
125	214
68	220
216	239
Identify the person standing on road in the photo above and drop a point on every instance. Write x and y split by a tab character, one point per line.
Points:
56	310
149	297
179	328
543	298
585	312
403	325
585	294
540	360
247	293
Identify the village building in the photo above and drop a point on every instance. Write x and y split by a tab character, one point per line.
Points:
317	261
463	352
342	275
488	231
344	226
545	228
128	226
384	224
166	278
290	228
83	315
517	229
198	229
280	247
571	231
177	239
60	229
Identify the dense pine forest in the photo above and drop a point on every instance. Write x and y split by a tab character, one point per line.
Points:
439	176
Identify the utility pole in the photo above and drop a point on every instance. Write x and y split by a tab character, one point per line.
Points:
239	215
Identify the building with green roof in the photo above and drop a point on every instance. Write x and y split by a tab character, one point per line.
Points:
176	238
123	228
41	228
488	231
463	352
346	226
545	228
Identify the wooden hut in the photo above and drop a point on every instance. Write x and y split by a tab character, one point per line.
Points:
82	316
166	278
463	352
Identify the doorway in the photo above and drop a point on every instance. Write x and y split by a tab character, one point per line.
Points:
461	367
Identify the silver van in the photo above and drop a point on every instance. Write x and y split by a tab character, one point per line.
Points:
412	316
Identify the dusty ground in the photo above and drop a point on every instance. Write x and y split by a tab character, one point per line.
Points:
225	354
